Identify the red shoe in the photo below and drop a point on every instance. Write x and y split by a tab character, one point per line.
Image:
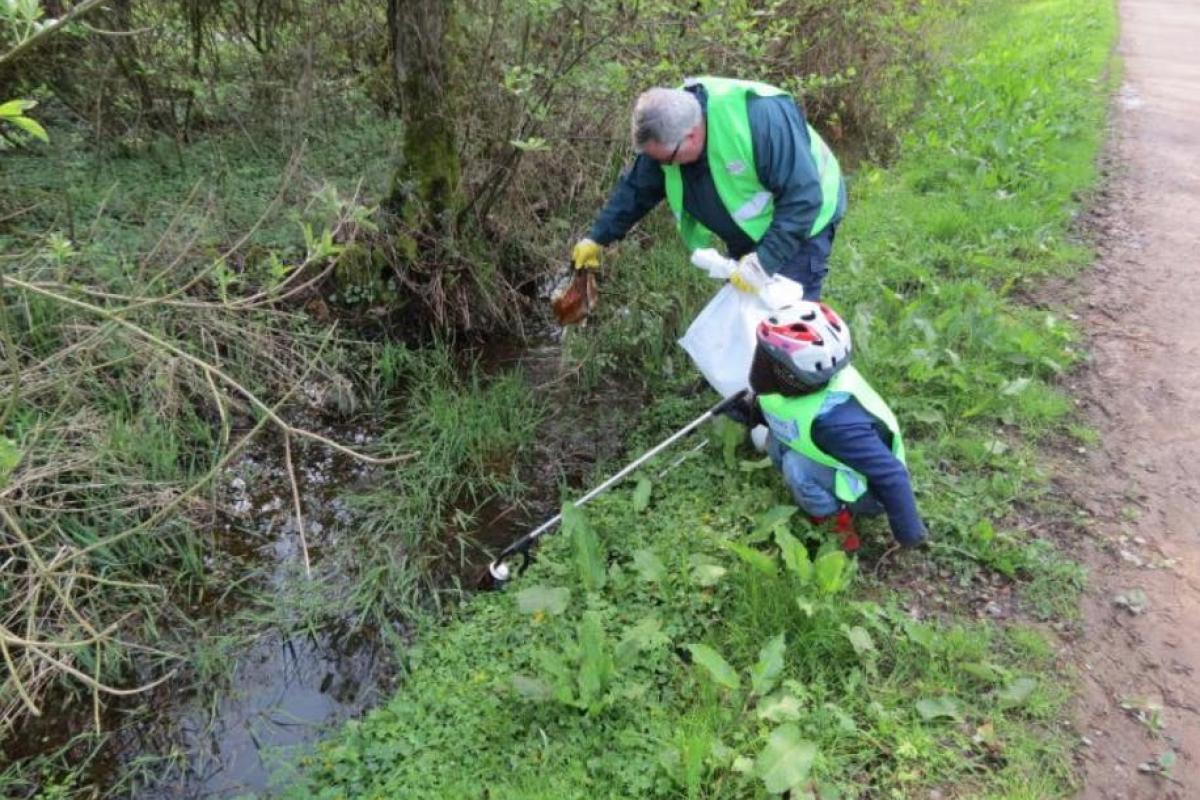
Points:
843	526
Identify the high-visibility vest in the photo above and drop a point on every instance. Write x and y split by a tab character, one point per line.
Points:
791	418
730	153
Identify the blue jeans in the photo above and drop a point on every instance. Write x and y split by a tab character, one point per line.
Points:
811	483
810	263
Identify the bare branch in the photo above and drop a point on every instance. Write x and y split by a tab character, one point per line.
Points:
72	15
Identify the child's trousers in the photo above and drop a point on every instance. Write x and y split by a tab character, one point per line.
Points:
811	483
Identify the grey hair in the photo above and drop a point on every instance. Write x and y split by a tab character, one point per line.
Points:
664	116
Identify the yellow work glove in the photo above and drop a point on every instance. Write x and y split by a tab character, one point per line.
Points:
586	255
749	276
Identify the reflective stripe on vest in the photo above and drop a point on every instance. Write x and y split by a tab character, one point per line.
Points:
730	152
791	419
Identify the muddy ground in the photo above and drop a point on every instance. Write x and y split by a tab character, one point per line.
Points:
1139	488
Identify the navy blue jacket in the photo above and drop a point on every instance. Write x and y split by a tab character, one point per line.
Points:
848	433
858	440
785	168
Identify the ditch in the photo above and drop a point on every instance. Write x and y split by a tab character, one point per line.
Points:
271	673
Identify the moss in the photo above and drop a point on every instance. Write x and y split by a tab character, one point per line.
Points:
357	275
425	184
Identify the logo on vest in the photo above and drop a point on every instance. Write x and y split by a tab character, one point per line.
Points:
735	167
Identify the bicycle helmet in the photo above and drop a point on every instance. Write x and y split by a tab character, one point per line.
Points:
808	340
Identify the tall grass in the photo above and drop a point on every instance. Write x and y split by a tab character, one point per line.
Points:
139	367
472	435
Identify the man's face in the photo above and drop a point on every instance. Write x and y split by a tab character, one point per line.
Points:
685	151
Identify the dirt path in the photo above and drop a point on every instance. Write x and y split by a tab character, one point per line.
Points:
1141	486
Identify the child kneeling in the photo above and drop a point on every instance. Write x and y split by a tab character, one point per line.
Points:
832	436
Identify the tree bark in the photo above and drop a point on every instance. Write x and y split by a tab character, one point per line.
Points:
424	186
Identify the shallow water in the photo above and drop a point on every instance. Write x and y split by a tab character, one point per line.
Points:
278	691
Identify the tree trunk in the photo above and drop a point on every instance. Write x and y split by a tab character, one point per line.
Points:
424	186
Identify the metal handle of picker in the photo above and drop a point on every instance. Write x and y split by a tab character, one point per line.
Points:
499	569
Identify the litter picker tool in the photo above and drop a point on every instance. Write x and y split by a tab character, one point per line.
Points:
500	571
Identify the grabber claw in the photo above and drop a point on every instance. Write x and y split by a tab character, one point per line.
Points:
499	569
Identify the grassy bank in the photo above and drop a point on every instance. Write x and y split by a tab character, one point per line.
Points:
697	640
160	347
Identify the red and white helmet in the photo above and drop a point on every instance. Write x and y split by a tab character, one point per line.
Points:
809	340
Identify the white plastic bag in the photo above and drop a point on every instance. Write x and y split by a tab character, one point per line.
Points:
721	339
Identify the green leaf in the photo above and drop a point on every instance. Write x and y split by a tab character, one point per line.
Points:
845	721
641	495
730	434
718	668
919	633
16	108
562	681
10	456
707	574
765	673
795	555
830	572
944	707
543	599
532	144
768	522
532	688
860	640
30	126
649	566
595	662
754	466
930	416
1014	387
806	606
588	561
786	760
645	635
984	671
1016	692
779	708
760	561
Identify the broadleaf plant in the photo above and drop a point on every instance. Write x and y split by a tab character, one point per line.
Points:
766	671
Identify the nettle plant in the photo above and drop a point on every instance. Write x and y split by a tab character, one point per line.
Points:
591	671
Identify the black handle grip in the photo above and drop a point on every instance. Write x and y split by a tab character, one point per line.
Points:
730	402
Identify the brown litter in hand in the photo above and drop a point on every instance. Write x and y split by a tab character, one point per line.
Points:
573	300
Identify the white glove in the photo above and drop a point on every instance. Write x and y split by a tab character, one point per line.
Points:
780	292
716	265
749	276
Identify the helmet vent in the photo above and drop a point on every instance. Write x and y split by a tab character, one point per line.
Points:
832	318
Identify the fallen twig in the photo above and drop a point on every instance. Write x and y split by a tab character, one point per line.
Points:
287	460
